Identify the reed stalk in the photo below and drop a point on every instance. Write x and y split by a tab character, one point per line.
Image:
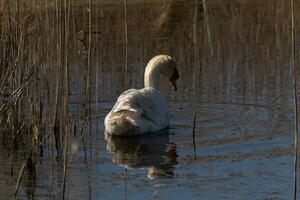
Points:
21	173
66	93
126	44
89	59
195	43
295	98
65	166
56	128
207	27
194	128
97	64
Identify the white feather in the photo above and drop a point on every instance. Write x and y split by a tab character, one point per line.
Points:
137	112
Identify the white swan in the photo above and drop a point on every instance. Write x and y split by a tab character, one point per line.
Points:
141	111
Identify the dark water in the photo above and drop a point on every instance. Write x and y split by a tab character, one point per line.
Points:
235	73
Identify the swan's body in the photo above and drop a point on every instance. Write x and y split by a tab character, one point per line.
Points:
141	111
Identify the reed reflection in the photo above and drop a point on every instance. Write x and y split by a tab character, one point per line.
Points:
154	152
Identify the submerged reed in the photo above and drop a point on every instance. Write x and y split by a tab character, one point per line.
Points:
194	129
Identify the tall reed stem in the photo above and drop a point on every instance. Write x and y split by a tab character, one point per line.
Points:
66	92
19	179
295	100
126	44
195	43
207	26
194	128
89	57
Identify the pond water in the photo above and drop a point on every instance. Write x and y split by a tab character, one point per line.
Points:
234	64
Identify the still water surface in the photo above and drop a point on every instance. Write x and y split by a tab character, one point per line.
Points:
234	70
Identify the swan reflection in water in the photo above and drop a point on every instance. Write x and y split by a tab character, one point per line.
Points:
153	152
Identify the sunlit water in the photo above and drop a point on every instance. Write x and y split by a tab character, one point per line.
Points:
241	94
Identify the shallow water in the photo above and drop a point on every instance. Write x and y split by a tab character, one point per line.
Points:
241	93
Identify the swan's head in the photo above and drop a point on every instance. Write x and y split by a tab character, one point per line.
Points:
166	66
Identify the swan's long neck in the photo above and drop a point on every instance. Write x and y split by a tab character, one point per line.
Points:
151	75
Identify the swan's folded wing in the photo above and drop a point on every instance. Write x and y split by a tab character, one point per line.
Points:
128	101
146	103
137	111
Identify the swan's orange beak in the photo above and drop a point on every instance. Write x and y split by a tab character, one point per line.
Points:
173	79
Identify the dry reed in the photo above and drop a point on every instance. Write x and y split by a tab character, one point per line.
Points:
194	129
295	98
126	44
